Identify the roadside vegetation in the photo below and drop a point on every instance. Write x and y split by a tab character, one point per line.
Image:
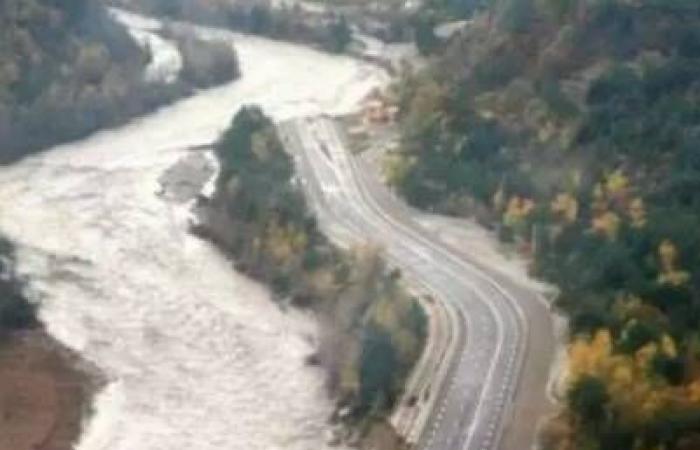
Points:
372	330
68	69
571	127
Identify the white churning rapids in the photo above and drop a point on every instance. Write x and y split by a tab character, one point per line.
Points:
196	356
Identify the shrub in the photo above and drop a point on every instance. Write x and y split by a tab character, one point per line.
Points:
16	312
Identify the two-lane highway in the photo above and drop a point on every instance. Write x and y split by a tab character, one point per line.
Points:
471	398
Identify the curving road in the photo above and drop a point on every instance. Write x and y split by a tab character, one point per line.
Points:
488	372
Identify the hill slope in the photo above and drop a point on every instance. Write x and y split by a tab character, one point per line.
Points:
65	67
574	128
68	68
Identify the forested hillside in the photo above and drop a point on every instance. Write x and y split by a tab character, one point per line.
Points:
573	128
372	330
67	68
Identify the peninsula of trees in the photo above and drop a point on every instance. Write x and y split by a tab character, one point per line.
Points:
372	330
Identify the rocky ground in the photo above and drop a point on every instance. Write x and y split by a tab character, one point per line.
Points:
185	180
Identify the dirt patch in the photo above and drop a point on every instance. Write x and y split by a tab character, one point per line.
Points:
382	437
45	393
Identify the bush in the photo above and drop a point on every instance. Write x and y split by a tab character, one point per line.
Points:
378	364
16	312
560	106
517	15
588	398
339	35
498	70
426	40
207	63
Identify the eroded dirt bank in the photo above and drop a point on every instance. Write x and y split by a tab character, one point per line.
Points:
45	392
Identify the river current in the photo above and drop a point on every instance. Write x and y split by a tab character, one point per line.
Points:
196	356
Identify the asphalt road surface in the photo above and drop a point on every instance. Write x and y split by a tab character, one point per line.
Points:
474	397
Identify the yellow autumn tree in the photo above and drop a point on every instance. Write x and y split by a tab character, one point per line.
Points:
668	346
607	225
637	213
284	243
630	307
600	202
498	199
565	206
517	210
617	186
670	274
396	167
586	356
636	395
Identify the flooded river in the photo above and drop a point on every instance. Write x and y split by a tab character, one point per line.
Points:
196	356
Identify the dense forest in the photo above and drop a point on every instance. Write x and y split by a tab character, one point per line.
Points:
573	128
372	330
67	68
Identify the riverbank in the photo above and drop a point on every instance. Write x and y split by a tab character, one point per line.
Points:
45	392
45	388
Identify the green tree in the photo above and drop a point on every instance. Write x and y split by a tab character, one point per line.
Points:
16	312
588	398
563	10
260	20
637	336
339	35
517	15
426	40
378	363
